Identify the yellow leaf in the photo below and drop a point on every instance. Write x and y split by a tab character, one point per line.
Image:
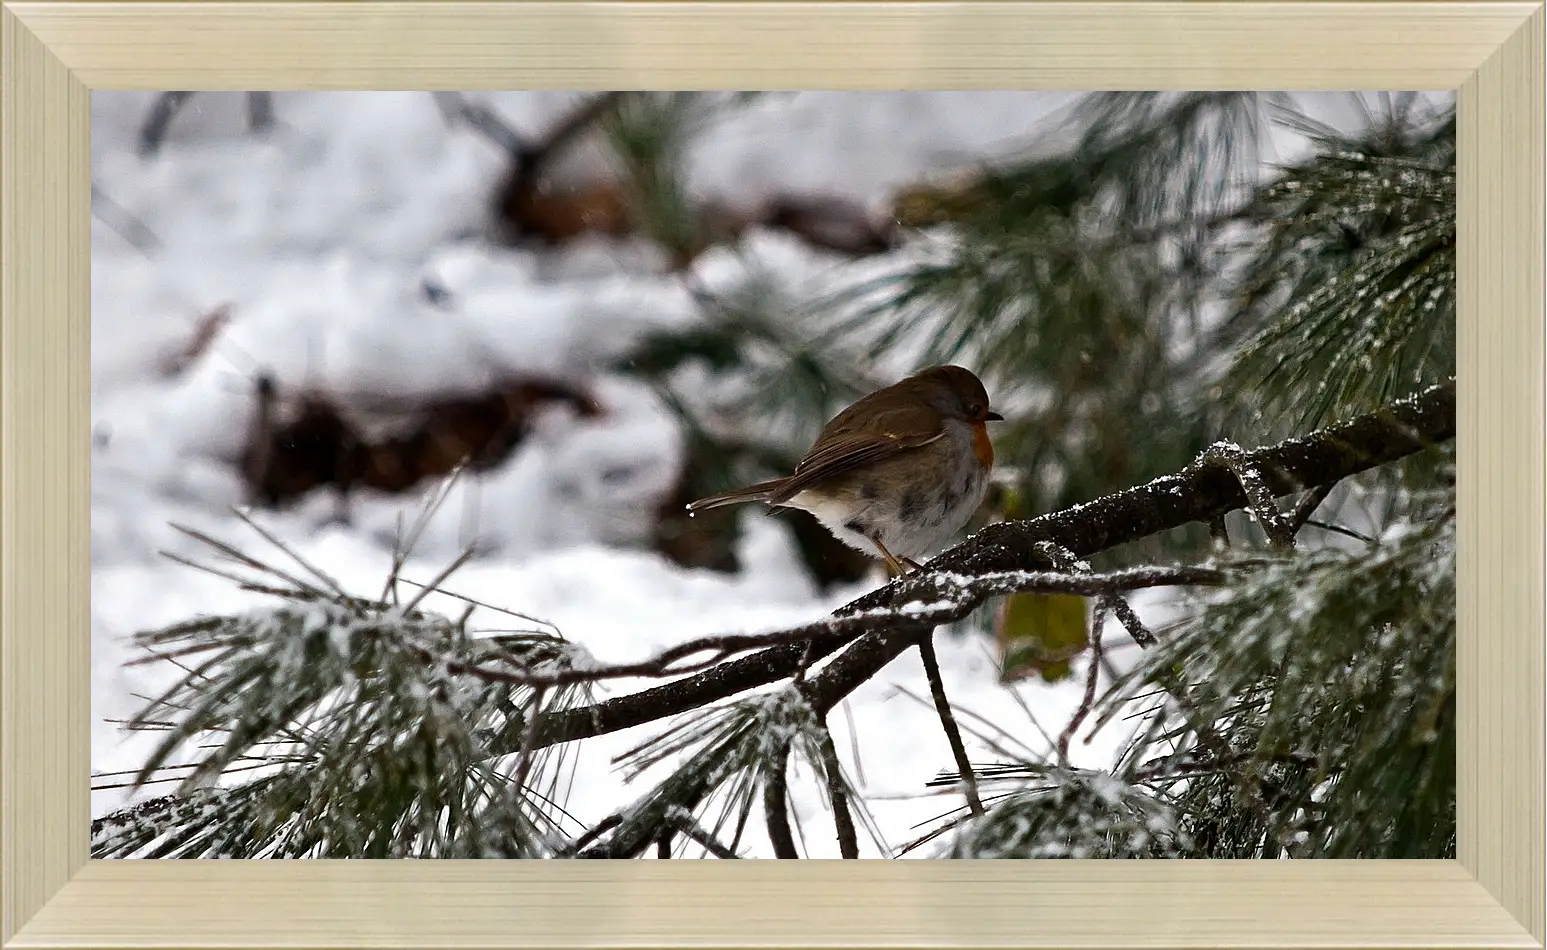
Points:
927	203
1040	633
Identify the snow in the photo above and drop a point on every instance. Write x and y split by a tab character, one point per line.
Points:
322	239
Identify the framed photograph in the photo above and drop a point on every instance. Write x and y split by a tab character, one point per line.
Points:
1146	401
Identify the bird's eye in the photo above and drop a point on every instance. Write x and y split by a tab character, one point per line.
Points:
976	409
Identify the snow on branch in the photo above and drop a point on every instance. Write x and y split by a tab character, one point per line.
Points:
876	627
942	599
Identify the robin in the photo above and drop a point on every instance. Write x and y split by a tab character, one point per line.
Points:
898	472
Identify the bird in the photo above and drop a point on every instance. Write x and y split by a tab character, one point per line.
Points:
897	473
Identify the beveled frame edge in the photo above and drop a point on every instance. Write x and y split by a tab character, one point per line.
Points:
1500	409
54	52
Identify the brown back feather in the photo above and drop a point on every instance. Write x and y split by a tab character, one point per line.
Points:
847	442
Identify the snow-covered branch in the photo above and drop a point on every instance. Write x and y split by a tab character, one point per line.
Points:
943	599
1013	549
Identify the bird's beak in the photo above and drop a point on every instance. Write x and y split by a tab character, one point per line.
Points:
993	417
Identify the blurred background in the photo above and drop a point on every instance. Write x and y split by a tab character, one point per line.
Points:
534	325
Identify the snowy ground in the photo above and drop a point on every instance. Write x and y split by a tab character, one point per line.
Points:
320	237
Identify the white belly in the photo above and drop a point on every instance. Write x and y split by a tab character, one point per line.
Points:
946	509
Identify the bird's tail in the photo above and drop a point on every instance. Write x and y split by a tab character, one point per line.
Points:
759	492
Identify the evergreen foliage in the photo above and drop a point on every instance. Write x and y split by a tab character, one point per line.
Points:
1133	295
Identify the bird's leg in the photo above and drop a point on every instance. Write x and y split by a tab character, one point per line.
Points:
893	566
912	564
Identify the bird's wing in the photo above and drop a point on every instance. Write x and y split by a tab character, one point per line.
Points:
844	445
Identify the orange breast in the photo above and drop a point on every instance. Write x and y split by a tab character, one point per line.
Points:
982	446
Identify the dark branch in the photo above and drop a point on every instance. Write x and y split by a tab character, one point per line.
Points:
1329	455
776	806
260	117
1130	621
482	118
961	597
531	155
1113	601
1088	701
582	117
682	820
165	109
843	818
1275	524
1199	495
1338	529
948	723
1307	506
260	111
590	835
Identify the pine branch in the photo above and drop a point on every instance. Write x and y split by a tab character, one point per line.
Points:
948	723
1004	558
1088	700
1199	495
1306	507
776	806
682	821
838	796
1279	529
965	594
1314	703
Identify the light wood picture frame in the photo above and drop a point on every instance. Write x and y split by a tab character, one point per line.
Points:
55	53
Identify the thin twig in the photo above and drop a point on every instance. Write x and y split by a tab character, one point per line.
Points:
232	554
805	662
1065	559
1088	701
1015	694
1339	529
682	820
602	827
244	583
948	723
264	763
473	602
1275	523
1305	507
560	135
434	585
1130	620
993	744
843	818
776	806
260	111
402	547
859	762
482	118
289	552
162	112
529	745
